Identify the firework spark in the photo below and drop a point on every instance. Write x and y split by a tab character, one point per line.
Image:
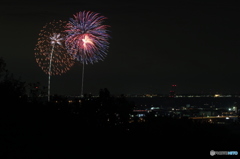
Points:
50	48
87	38
50	51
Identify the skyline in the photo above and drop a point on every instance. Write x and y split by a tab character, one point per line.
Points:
194	45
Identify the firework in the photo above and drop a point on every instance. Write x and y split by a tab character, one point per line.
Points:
50	52
87	38
51	42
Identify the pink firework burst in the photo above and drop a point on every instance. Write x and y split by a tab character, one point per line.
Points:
87	38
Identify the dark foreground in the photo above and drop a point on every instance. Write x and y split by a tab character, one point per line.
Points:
42	132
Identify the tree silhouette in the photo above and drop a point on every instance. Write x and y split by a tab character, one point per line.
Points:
36	90
11	89
112	111
2	67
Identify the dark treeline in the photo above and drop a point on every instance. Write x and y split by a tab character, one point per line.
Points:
96	127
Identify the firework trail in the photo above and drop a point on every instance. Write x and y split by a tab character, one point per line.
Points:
87	39
50	52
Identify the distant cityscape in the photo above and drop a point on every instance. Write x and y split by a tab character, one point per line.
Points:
214	109
182	95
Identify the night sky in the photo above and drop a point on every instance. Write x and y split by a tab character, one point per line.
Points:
194	45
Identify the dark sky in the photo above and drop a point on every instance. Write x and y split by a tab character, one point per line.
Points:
194	45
